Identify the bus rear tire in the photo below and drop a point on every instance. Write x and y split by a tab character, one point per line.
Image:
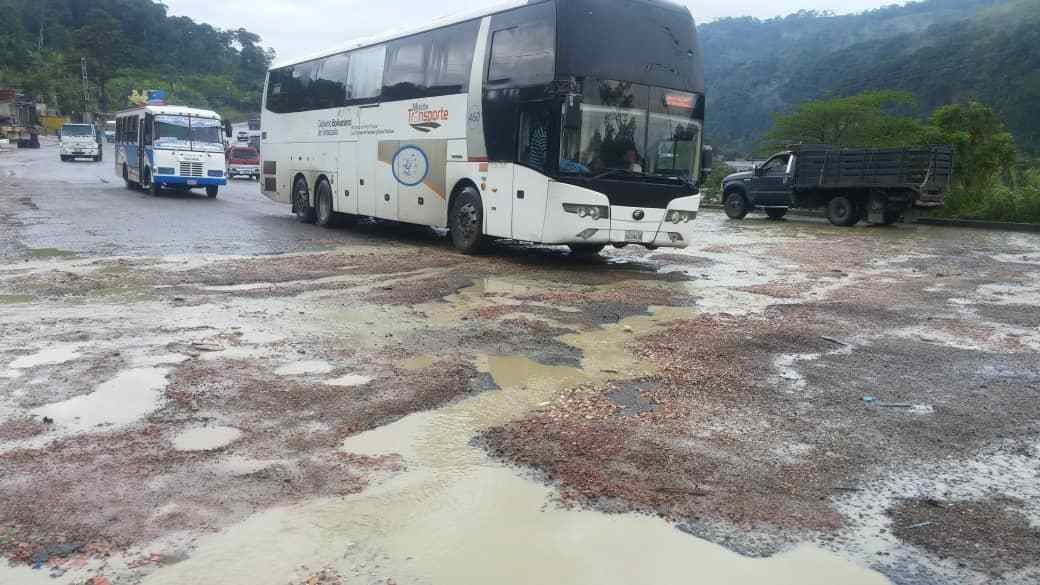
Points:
211	191
302	201
324	215
466	221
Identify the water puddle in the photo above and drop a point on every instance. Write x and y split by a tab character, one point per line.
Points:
419	362
127	397
305	368
348	380
50	253
456	516
205	438
58	354
15	299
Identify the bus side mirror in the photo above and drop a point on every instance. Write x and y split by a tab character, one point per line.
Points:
227	128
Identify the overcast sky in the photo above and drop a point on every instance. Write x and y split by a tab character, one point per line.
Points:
297	28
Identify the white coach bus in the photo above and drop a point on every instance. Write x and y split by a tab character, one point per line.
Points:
571	122
160	147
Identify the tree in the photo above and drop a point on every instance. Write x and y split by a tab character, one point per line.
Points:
985	150
866	120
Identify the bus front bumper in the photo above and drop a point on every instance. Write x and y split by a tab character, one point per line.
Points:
673	227
171	181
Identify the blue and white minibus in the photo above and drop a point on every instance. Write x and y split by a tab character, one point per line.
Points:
171	147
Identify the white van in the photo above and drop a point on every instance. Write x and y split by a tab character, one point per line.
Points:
79	141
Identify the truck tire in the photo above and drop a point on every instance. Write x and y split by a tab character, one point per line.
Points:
891	217
466	221
842	211
776	212
211	191
736	205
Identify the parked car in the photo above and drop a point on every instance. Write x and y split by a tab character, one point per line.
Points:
878	185
243	161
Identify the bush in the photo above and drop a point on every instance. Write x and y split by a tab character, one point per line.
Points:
1015	199
711	190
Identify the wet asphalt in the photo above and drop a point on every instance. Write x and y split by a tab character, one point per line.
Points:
84	208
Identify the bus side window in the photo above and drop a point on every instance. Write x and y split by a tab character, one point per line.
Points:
534	142
524	54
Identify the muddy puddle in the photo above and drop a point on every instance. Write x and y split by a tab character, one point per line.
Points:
456	516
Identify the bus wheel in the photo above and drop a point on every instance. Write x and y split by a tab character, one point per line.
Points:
586	250
841	211
324	215
211	191
151	186
466	221
736	205
302	201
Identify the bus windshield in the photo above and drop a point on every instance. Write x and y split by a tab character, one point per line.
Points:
633	131
188	133
77	130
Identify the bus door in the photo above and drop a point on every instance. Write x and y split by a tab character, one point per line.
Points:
145	144
535	151
498	204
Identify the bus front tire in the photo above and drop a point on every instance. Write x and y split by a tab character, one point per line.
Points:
736	205
466	221
324	214
149	185
842	211
301	201
211	191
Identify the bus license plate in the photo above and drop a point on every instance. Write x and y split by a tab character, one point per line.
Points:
192	182
633	236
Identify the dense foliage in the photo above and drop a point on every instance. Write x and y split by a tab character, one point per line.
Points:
127	44
943	51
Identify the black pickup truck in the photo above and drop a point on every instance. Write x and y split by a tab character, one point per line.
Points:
878	185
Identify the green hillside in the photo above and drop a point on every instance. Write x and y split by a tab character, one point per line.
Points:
127	44
943	51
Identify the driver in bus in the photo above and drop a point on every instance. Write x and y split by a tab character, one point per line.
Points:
632	160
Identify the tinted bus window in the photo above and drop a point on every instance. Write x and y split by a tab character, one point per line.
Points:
365	75
300	98
523	54
329	89
430	64
277	98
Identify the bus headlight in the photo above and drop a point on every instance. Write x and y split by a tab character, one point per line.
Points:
676	216
590	211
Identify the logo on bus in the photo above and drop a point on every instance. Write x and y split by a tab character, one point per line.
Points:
424	118
410	166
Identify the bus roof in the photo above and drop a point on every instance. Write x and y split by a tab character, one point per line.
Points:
399	33
172	111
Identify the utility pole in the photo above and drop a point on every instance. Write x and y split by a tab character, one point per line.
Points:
86	89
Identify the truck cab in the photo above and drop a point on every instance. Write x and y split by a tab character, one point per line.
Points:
79	141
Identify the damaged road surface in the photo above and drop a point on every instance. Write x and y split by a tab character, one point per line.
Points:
206	391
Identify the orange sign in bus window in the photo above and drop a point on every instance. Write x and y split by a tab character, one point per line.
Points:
678	101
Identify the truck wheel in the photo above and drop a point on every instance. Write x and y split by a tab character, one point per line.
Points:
841	211
302	201
736	205
211	191
891	217
776	212
324	214
64	158
466	221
